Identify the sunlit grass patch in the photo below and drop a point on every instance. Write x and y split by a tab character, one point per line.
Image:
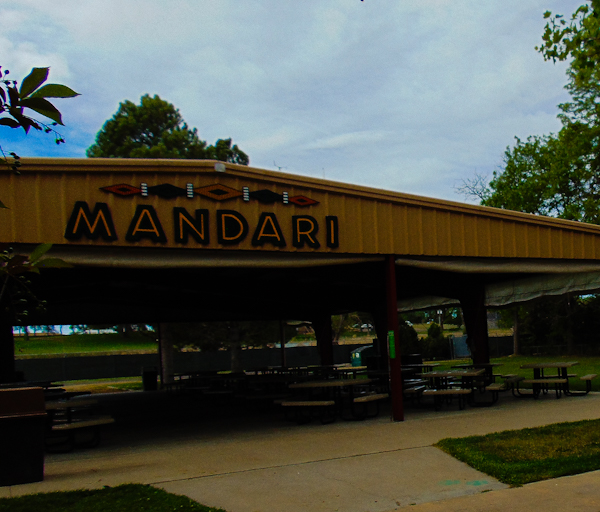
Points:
124	498
518	457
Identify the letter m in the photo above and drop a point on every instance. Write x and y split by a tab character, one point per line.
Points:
92	225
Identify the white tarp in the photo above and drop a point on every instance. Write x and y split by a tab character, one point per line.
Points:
554	278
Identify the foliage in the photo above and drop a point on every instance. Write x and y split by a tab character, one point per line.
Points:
558	174
31	95
435	345
15	287
408	339
123	498
215	335
155	129
517	457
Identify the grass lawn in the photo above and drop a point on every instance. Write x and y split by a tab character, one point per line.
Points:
124	498
83	343
517	457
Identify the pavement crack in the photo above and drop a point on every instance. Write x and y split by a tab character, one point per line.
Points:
294	464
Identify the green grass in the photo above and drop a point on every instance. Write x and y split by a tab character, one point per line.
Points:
124	498
517	457
82	343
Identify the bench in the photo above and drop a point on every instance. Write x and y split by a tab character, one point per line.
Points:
588	381
300	407
414	393
365	400
588	385
541	385
440	394
61	435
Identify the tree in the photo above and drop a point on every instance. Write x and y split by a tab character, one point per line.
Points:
558	174
155	129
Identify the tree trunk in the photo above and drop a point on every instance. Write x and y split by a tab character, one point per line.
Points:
516	349
165	340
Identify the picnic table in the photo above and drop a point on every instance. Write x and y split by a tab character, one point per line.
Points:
327	397
488	367
541	381
448	384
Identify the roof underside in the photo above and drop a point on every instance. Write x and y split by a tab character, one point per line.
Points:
441	248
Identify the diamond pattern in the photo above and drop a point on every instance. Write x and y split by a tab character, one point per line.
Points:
218	192
302	201
122	190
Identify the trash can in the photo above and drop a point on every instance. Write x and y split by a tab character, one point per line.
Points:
358	355
22	423
150	379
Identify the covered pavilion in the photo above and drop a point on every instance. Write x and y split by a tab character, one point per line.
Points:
154	241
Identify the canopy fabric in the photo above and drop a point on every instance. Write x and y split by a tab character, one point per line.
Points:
516	291
149	258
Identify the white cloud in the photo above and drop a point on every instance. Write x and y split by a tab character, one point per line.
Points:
424	91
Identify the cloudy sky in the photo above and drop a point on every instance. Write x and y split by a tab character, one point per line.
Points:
406	95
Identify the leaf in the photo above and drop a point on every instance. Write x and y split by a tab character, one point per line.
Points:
2	205
6	121
33	80
13	95
16	261
38	252
43	107
54	91
53	263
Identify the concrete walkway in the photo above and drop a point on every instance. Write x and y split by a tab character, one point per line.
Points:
260	463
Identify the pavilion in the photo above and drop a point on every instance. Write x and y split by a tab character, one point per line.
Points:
182	240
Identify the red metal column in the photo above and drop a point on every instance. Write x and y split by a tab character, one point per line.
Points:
393	341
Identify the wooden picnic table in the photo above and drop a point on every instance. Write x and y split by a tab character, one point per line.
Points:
441	385
327	395
541	382
488	367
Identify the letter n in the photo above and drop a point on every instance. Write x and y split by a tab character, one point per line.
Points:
145	224
232	227
92	225
305	229
186	225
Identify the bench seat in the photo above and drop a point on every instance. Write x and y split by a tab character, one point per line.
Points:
303	410
61	435
440	394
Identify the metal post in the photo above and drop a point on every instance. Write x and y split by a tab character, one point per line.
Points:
393	339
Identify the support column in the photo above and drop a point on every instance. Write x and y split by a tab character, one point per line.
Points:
165	350
282	342
7	353
475	317
324	334
393	334
380	318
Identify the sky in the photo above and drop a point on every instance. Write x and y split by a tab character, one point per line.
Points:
412	96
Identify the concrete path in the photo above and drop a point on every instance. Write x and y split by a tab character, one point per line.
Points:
259	463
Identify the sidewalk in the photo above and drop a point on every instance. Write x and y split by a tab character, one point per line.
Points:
262	463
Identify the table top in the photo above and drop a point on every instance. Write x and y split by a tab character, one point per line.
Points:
70	404
333	383
475	372
559	364
477	365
